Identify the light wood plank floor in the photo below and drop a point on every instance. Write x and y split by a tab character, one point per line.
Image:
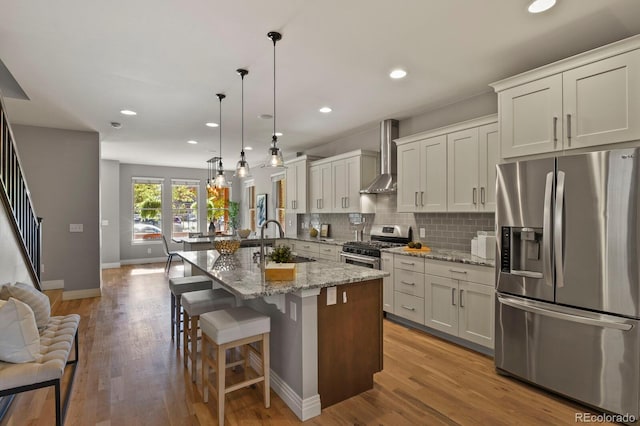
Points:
131	374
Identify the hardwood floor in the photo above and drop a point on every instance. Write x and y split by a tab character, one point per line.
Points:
131	374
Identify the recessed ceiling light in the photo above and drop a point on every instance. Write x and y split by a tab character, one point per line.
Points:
265	116
211	124
325	110
538	6
192	142
248	148
278	134
398	74
128	112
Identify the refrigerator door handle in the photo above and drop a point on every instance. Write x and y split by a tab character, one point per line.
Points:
527	274
558	230
531	306
547	270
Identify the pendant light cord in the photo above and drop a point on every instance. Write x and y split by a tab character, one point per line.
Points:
275	138
220	96
242	121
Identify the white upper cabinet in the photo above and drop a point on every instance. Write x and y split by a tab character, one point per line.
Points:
449	169
422	175
296	183
587	100
471	180
531	117
321	188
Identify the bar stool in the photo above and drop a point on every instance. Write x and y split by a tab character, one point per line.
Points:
227	329
194	304
179	286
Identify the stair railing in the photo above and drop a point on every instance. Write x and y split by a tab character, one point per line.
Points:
17	199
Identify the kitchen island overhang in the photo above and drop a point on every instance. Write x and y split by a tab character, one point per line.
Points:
321	352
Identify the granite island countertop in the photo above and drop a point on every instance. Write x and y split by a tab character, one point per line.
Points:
447	255
242	276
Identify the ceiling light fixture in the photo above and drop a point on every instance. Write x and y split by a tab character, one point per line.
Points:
211	124
538	6
220	181
398	73
325	110
275	154
128	112
278	134
248	148
242	168
192	142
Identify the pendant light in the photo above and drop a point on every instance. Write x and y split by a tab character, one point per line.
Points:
242	168
275	154
220	181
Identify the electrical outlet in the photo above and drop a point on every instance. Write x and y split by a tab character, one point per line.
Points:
344	297
149	251
423	232
292	311
75	227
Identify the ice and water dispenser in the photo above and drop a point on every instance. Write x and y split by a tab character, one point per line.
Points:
521	251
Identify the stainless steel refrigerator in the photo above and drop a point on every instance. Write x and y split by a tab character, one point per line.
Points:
567	276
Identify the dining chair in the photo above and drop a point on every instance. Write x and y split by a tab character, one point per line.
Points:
169	254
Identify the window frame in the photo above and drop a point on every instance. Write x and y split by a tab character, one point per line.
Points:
193	183
146	181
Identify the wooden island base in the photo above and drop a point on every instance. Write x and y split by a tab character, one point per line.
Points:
349	341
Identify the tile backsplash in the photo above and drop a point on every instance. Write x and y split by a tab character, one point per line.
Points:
443	230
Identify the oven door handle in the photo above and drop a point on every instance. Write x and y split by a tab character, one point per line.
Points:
365	259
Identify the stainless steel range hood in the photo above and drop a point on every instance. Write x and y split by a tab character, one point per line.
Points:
385	183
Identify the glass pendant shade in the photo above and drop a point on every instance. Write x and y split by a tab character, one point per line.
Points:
220	181
275	156
242	168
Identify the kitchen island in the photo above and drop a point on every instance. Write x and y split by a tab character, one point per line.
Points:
326	325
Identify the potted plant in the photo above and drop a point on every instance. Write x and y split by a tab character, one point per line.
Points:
279	269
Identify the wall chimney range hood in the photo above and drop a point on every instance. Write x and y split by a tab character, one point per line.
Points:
385	183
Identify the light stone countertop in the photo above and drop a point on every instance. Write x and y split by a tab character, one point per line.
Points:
246	280
447	255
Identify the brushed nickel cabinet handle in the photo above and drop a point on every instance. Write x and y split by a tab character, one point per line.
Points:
422	198
408	308
555	130
482	198
461	300
407	283
475	193
453	296
415	199
569	128
408	263
457	271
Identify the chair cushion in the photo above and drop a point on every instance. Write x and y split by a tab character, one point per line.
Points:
199	302
37	301
181	285
228	325
19	338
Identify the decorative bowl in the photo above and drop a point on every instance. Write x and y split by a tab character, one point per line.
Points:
244	233
226	245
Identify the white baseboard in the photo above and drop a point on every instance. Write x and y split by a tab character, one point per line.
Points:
303	408
110	265
52	284
143	260
81	294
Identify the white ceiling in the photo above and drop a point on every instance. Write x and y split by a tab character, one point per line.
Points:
81	62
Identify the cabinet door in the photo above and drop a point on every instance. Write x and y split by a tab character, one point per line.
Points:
476	319
433	175
387	282
296	181
489	157
292	190
320	176
339	178
352	184
408	158
441	304
602	102
531	117
315	188
463	193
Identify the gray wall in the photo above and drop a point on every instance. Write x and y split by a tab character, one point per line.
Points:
110	211
62	170
138	251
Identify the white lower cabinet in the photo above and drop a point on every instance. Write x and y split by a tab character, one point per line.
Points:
459	307
386	265
328	252
408	306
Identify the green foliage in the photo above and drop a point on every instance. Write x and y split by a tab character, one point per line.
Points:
147	199
234	213
281	254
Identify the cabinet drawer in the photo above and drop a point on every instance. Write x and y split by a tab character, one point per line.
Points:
409	307
328	250
409	263
477	274
409	282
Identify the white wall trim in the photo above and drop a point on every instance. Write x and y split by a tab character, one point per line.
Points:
143	260
110	265
52	284
303	408
81	294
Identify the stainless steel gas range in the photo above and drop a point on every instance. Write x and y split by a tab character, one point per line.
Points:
367	253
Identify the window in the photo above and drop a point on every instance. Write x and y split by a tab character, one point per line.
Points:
184	207
218	208
280	198
147	209
250	202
